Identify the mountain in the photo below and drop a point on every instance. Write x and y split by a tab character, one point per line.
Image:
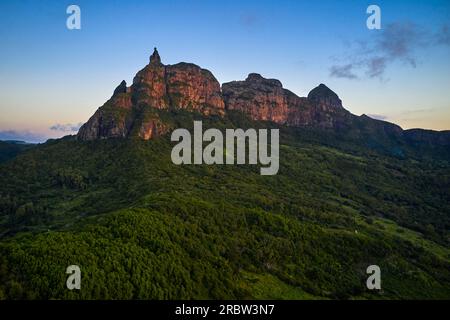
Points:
160	87
131	110
136	110
267	100
350	192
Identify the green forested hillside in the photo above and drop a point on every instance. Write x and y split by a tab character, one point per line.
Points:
10	149
141	227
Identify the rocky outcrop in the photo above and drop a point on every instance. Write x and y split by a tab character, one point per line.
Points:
183	85
325	98
191	87
149	84
156	86
110	120
152	127
135	111
260	98
130	110
121	88
266	99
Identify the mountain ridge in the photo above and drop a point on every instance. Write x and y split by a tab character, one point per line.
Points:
132	111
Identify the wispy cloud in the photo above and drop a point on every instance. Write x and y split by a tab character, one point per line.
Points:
397	42
344	71
376	66
249	20
378	116
68	127
444	36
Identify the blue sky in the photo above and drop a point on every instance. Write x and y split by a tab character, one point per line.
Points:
52	79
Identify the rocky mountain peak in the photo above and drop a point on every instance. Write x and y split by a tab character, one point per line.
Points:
324	96
155	59
254	77
133	111
259	79
121	88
